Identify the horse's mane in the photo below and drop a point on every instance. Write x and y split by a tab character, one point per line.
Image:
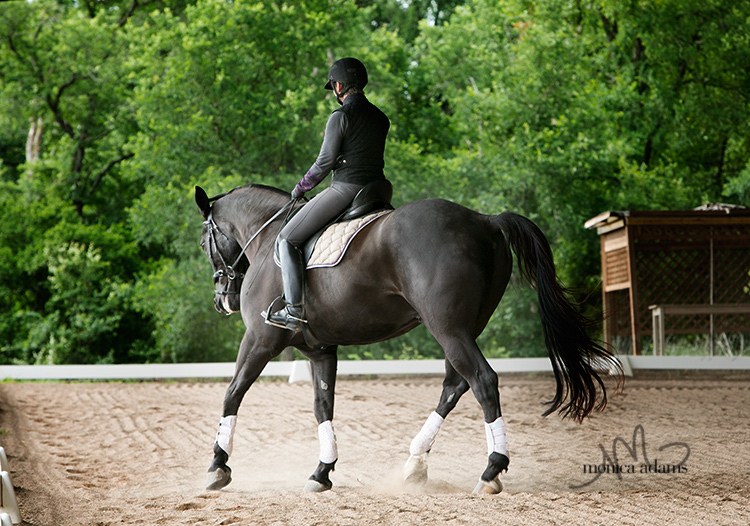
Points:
271	189
256	197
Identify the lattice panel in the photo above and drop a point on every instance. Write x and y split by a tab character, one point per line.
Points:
732	275
674	267
680	277
701	324
732	323
617	313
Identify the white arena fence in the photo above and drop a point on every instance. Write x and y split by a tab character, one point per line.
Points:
299	370
9	512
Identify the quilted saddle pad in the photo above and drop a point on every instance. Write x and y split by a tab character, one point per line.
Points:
332	244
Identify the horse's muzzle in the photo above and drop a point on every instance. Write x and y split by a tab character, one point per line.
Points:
223	303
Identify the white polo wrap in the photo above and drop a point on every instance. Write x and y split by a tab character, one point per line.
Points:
422	443
497	441
225	435
329	452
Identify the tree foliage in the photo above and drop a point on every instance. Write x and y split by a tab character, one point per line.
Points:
110	111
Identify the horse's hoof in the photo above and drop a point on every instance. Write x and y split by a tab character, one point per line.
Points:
415	470
219	478
492	487
313	486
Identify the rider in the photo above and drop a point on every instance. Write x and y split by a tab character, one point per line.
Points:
353	148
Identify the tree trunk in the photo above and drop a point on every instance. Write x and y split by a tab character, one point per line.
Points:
34	140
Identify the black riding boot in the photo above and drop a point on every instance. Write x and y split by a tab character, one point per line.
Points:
293	275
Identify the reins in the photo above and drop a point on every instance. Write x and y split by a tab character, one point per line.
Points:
289	205
230	272
273	218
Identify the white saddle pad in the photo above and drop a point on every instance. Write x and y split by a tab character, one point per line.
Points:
333	242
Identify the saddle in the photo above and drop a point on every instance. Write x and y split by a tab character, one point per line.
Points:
372	198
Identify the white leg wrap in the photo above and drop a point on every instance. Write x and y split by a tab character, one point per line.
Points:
329	452
225	435
497	441
422	443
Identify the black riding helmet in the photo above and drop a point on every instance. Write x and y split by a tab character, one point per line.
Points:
349	72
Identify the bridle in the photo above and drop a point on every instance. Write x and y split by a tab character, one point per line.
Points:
229	271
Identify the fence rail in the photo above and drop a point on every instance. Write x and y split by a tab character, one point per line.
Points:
299	369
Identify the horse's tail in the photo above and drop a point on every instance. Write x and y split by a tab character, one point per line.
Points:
574	355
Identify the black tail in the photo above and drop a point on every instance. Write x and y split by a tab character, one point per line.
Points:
574	355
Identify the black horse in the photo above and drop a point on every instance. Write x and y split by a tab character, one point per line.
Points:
432	262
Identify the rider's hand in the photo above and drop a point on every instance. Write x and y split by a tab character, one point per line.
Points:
297	194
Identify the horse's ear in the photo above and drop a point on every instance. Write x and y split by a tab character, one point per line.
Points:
201	199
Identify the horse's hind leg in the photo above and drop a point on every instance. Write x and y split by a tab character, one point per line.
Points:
465	356
454	386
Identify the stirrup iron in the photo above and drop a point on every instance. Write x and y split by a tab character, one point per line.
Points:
295	320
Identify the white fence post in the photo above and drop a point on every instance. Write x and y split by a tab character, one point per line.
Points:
8	503
300	372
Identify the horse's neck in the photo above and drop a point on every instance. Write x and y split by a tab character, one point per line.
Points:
247	213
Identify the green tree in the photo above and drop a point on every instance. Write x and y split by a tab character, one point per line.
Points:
63	66
406	16
111	110
227	94
67	260
563	110
235	88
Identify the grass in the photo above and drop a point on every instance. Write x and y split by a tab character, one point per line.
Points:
726	344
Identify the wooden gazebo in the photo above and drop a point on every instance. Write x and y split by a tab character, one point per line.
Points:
691	266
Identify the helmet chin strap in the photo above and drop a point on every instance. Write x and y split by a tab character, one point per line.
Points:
337	94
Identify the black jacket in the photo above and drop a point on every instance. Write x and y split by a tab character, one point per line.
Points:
353	146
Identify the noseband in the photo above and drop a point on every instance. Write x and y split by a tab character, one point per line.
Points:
229	270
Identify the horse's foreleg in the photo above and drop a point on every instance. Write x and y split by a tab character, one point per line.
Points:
454	386
324	384
249	366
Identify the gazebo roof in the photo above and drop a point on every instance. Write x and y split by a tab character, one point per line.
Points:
706	214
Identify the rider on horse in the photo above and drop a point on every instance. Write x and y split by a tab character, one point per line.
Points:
353	147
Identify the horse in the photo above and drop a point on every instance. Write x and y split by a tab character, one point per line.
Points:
431	262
